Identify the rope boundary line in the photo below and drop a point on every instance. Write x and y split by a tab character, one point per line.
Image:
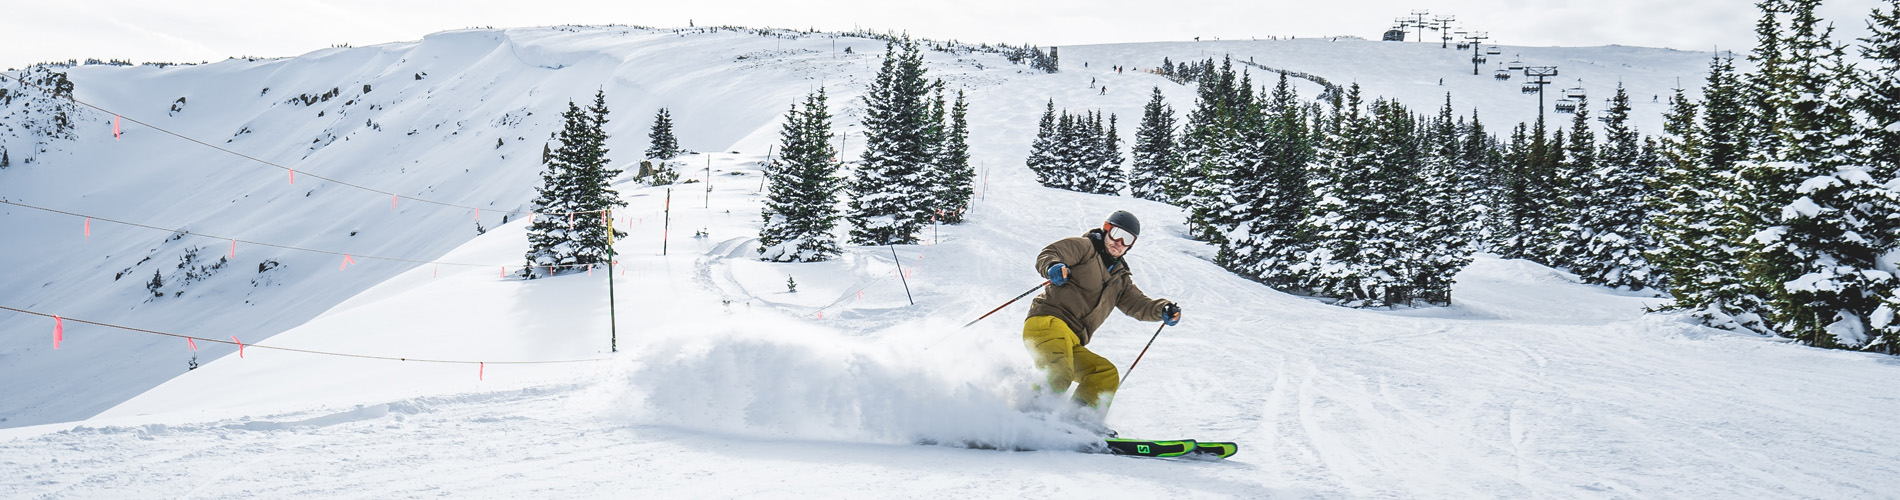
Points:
306	351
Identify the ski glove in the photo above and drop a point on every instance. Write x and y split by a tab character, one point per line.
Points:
1171	314
1058	274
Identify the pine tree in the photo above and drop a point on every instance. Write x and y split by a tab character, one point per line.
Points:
890	195
663	146
1880	105
801	206
1270	242
574	201
1714	287
1682	225
1880	100
1110	177
1818	254
1203	170
1155	159
1352	244
1577	188
1209	149
957	182
1042	151
1548	195
1393	210
1442	242
157	284
1479	160
1612	236
1760	136
1515	211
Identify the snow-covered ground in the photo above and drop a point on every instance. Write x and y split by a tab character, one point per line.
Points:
727	385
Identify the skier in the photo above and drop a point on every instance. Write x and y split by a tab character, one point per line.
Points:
1088	279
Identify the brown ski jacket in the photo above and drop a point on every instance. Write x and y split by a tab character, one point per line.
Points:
1098	284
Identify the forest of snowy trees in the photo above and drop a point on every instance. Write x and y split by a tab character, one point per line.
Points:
1770	206
915	169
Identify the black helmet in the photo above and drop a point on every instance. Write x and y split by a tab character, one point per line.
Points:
1126	221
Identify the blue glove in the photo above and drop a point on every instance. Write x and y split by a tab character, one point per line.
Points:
1058	274
1171	314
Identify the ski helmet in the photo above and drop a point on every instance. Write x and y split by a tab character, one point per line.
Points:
1126	221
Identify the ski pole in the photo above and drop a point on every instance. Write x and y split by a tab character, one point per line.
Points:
1006	304
1144	352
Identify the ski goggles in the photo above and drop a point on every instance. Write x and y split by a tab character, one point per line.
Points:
1122	236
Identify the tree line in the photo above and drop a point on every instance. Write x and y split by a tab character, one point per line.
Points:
1770	206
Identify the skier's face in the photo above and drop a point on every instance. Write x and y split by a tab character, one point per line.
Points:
1116	239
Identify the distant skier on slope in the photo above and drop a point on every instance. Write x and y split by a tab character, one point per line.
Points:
1089	279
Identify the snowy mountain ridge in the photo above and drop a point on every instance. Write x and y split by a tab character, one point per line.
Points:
1529	385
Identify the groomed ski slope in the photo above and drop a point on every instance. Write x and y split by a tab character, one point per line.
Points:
454	123
726	385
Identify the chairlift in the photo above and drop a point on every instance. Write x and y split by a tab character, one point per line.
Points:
1502	74
1516	65
1477	60
1576	92
1566	106
1532	88
1463	45
1494	50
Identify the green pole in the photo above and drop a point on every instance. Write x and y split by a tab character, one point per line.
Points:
613	334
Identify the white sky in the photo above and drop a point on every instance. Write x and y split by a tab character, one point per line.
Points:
211	30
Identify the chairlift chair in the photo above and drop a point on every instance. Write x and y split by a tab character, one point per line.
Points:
1532	88
1463	46
1502	74
1566	106
1516	65
1494	50
1575	93
1477	60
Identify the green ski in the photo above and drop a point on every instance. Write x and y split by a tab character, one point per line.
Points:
1171	448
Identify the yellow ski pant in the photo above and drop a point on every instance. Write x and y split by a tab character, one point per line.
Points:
1059	353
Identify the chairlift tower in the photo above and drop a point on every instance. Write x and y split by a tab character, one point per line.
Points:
1536	77
1477	39
1420	23
1444	30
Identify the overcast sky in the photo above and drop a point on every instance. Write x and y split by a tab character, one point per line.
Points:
211	30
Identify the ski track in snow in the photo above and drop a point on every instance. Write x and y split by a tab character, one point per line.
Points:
726	384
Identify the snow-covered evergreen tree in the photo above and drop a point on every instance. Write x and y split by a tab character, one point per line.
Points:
1077	153
1611	230
1269	242
1686	198
801	206
1155	159
1110	177
572	206
1209	147
1479	160
1365	206
1879	100
662	144
1441	242
1042	150
889	191
956	179
1512	196
1577	188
